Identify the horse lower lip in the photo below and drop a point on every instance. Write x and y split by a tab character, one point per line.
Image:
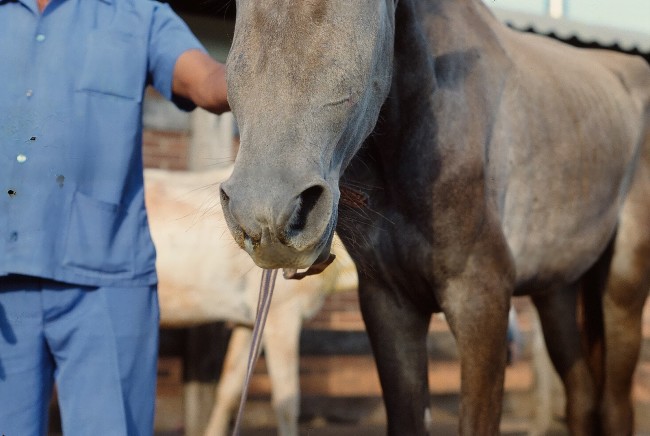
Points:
323	256
324	259
315	268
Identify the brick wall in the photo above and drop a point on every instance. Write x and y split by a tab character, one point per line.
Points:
167	134
340	312
177	140
166	149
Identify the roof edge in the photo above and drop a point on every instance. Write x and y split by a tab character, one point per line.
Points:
566	29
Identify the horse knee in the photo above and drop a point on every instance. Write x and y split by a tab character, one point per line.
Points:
582	417
617	416
582	406
286	411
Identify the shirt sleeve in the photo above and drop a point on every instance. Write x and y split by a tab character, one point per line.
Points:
169	38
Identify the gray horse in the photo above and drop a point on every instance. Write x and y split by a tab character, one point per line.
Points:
460	162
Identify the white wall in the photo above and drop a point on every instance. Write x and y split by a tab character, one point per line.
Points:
626	15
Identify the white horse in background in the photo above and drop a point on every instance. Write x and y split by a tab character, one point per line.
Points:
205	277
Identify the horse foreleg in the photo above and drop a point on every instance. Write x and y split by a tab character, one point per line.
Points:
478	317
229	389
557	314
281	348
397	328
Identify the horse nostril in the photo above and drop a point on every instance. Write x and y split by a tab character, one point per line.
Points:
248	243
308	199
224	197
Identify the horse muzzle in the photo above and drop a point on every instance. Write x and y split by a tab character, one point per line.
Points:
280	227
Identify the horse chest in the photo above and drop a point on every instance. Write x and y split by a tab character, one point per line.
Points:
391	246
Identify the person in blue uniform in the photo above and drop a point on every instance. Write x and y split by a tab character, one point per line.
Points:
78	303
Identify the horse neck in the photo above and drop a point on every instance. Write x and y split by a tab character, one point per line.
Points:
414	79
413	61
429	29
438	44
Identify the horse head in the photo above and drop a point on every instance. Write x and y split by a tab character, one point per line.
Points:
306	81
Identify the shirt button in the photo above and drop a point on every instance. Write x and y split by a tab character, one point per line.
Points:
21	158
40	37
29	93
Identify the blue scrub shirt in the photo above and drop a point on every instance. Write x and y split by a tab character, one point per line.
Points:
72	82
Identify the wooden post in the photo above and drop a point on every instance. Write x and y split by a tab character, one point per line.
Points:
205	349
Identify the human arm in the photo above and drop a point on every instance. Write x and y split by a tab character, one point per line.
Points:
201	79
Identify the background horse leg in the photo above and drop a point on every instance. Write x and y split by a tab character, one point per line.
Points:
623	302
623	309
557	314
281	348
398	330
230	385
548	388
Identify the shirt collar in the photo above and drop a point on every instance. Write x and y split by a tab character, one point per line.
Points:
29	4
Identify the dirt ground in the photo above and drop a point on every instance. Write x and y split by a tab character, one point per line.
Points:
348	402
365	417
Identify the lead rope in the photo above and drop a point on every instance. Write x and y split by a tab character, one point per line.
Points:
263	304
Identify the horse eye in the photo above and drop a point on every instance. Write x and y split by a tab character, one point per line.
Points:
338	102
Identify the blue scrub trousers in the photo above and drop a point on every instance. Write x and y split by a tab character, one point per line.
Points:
99	344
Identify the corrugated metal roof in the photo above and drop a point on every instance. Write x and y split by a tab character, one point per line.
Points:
567	29
619	15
